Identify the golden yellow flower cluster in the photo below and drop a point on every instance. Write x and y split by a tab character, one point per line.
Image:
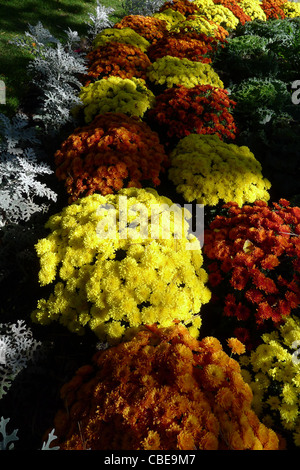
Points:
273	373
291	9
114	270
124	35
205	169
171	17
219	15
169	71
200	24
253	9
118	95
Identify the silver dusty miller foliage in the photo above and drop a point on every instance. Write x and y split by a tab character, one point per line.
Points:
6	443
17	348
100	20
55	68
141	7
20	167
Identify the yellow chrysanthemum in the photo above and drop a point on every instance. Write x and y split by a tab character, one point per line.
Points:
116	283
124	35
205	169
115	94
169	71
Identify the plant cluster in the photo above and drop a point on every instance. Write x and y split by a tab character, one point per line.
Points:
192	47
123	35
55	71
291	10
117	95
235	8
200	24
148	27
111	277
260	99
209	171
163	390
203	109
99	20
247	56
169	71
116	59
185	7
220	15
141	7
254	261
113	152
273	8
22	194
17	349
253	9
272	371
170	17
165	90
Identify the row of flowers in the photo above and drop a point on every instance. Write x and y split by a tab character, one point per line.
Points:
155	113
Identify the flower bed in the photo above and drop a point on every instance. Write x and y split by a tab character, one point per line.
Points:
159	110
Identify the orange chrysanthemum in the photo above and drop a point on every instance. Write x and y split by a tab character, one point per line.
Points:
272	8
113	152
236	346
125	412
149	27
116	59
180	45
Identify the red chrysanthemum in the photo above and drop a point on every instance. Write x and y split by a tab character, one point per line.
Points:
254	251
203	109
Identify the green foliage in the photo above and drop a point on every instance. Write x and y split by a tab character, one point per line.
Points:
246	56
283	38
258	99
277	146
272	29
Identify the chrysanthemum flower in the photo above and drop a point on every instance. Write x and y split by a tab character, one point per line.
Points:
257	257
125	412
236	346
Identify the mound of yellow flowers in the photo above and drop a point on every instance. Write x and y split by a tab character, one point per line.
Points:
161	390
119	261
208	170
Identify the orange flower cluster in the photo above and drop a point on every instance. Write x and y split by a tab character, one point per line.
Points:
161	390
256	263
113	152
185	7
203	109
147	26
183	46
272	8
122	60
235	8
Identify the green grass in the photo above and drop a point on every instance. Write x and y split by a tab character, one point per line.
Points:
55	15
